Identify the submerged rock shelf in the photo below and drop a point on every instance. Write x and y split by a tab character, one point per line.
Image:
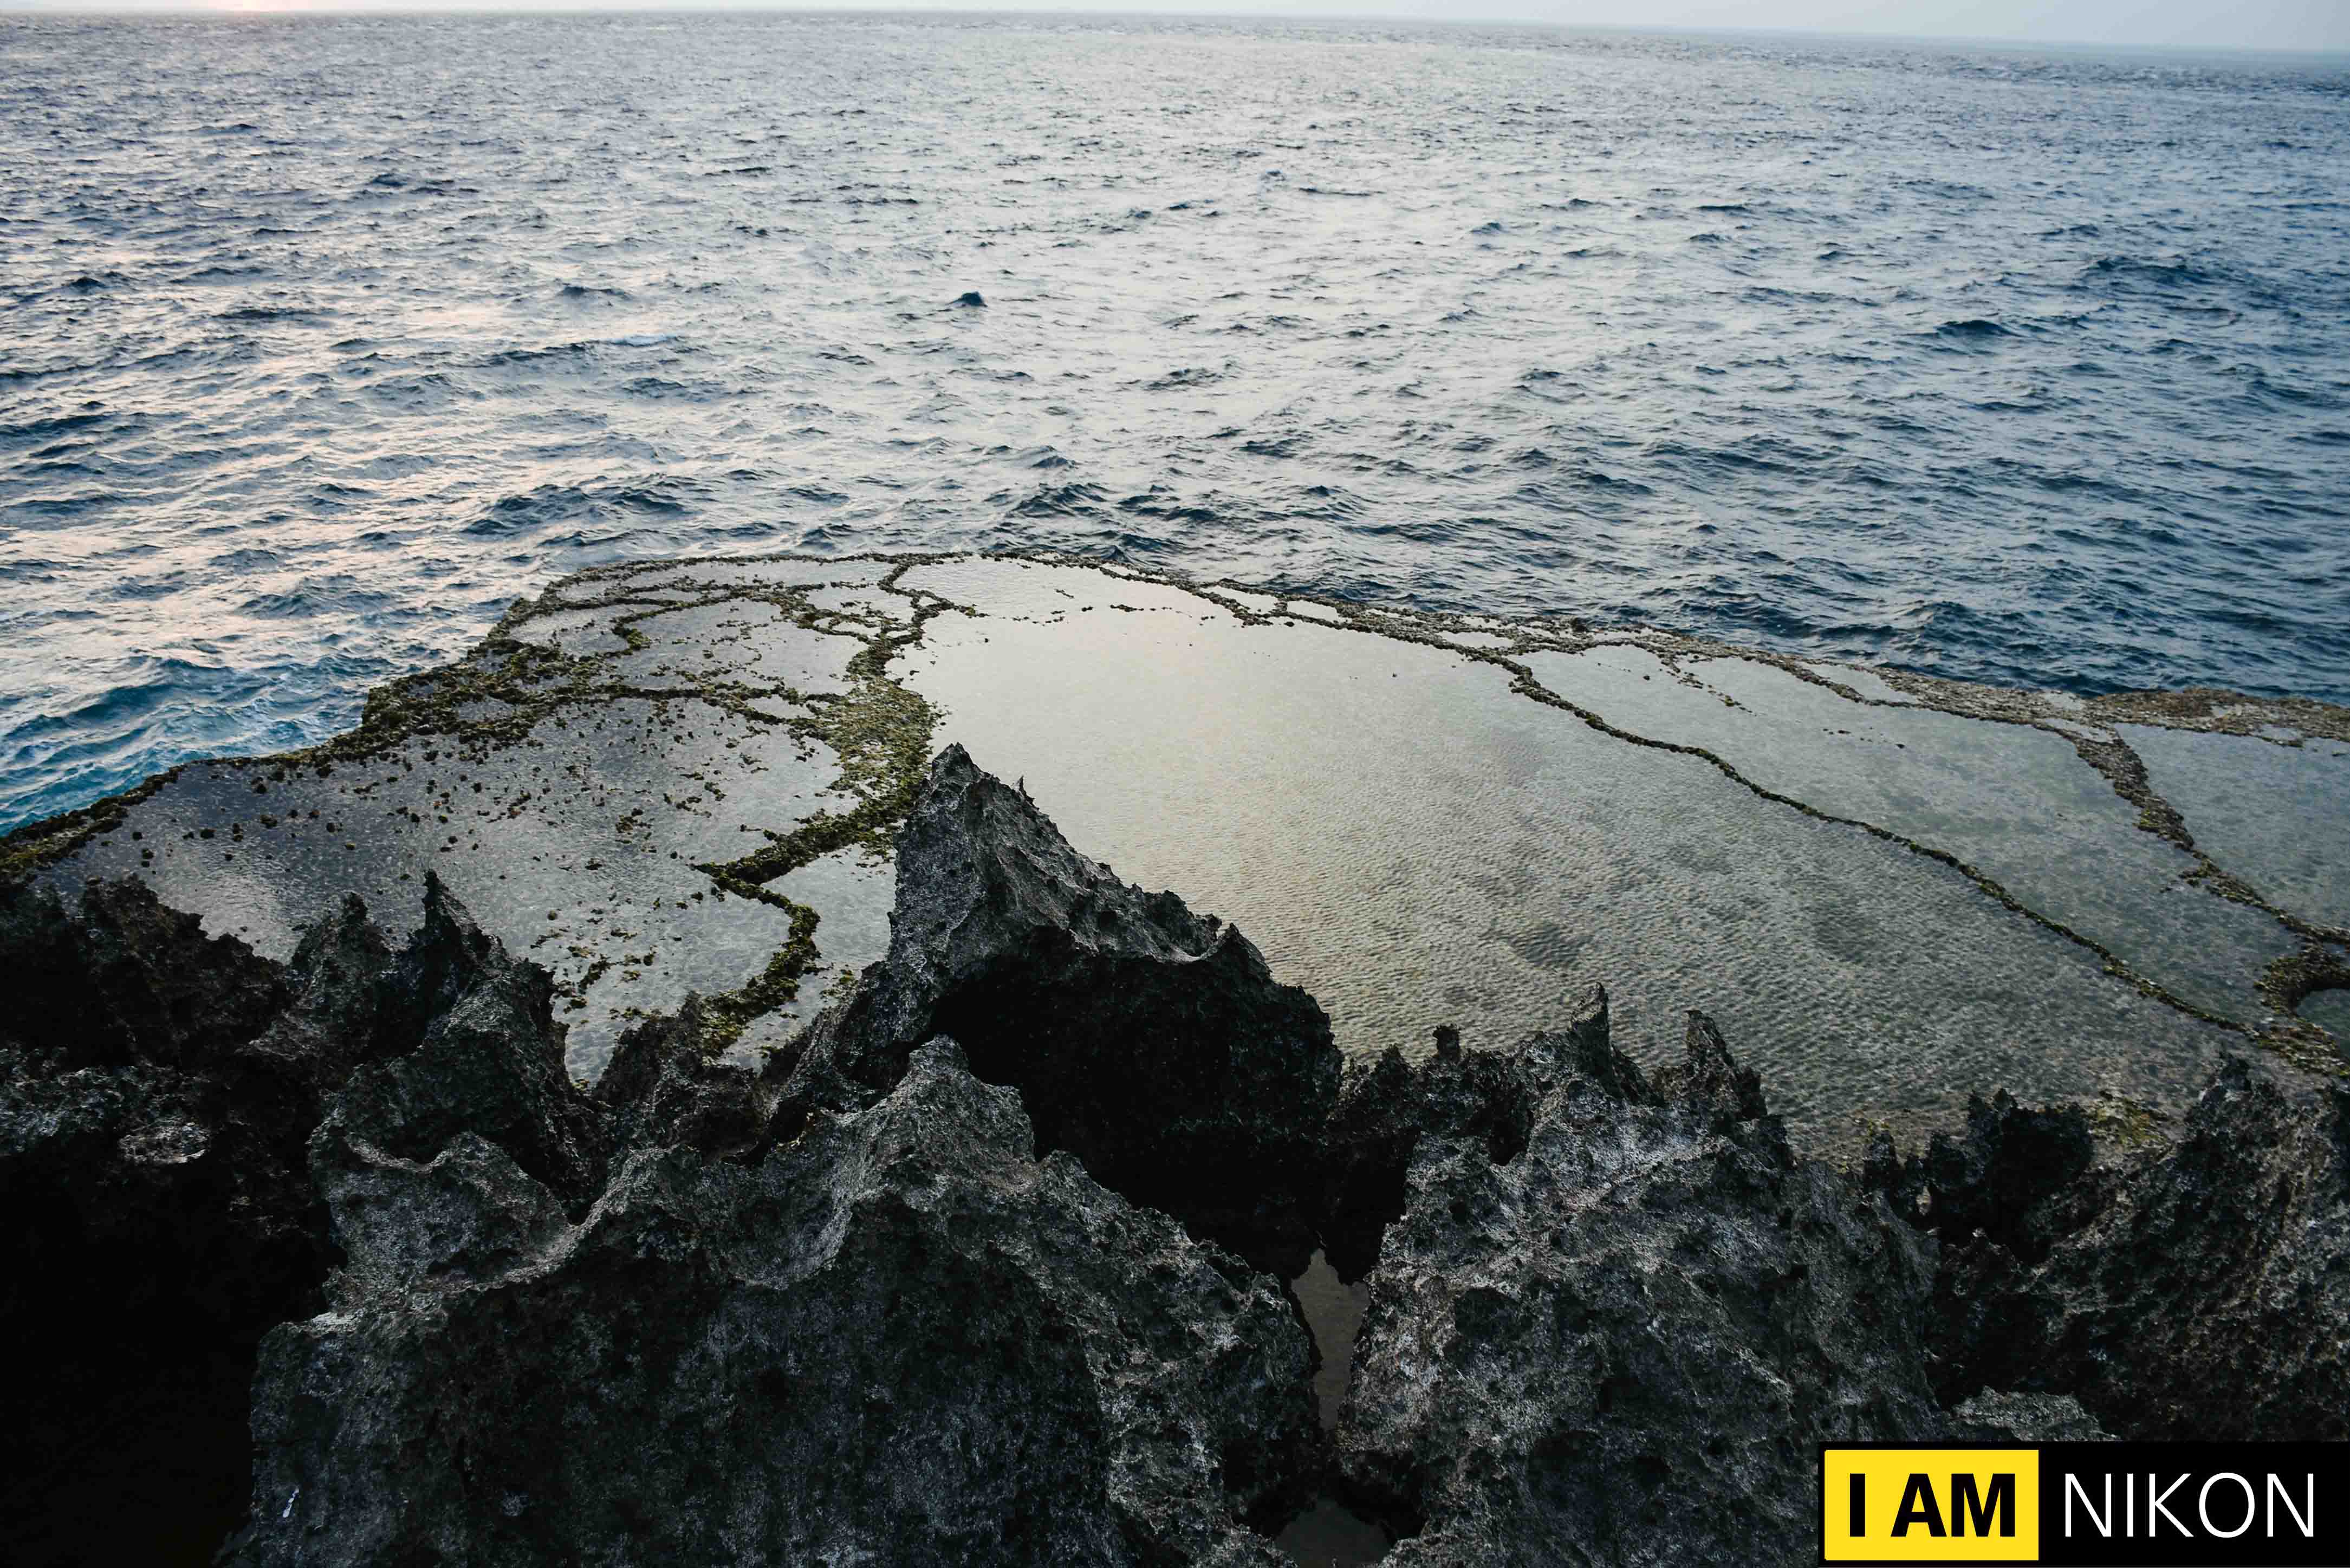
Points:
683	777
983	1265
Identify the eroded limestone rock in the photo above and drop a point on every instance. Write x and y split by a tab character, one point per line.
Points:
468	1045
2195	1286
904	1337
1489	1097
1621	1344
899	1298
1152	1043
666	1087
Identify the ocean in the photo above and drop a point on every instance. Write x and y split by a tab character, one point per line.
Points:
325	338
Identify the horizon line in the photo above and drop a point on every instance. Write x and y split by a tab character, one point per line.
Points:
204	10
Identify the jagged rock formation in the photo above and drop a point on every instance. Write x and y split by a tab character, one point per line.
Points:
1621	1344
159	1214
469	1046
947	1280
1489	1097
1150	1041
158	1160
901	1338
664	1086
895	1328
2197	1287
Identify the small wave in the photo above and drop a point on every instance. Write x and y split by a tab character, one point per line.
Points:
2170	275
391	180
1972	329
1076	499
550	504
59	424
314	595
591	291
1158	504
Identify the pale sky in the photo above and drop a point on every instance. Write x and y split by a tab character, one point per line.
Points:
2285	25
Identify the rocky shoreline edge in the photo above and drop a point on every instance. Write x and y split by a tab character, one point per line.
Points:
329	1261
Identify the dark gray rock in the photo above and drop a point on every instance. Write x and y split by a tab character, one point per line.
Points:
468	1042
2196	1286
2021	1176
903	1337
130	981
1995	1417
1622	1343
1152	1043
1384	1109
666	1086
165	1143
155	1105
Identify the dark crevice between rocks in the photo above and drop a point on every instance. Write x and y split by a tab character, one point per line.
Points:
1331	1535
1486	1098
1327	1533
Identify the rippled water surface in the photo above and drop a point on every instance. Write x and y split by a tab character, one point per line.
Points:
325	338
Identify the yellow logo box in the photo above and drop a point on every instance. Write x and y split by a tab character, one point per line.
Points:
1930	1505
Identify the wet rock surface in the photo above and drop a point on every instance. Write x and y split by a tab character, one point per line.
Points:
1152	1043
2190	1282
659	778
1621	1343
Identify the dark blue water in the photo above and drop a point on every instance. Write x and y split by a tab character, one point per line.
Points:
325	338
